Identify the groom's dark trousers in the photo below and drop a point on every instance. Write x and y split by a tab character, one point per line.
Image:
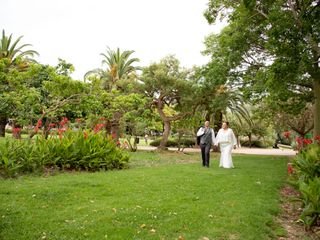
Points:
205	153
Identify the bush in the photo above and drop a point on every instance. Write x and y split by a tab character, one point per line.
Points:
310	192
187	142
307	163
174	143
156	143
254	144
15	157
307	169
72	151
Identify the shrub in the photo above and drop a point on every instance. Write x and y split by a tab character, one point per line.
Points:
187	142
310	192
156	143
307	169
307	163
14	157
254	143
174	143
74	150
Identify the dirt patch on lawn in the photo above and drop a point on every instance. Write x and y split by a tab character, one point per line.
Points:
290	214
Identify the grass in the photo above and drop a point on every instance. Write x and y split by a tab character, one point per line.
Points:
162	196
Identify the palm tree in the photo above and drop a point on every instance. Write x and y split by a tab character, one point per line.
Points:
118	67
217	100
10	51
15	56
232	101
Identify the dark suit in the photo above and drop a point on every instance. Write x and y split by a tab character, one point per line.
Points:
206	141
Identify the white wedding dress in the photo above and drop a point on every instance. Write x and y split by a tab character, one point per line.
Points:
226	139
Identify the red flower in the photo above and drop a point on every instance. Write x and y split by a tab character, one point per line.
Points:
39	124
98	127
299	140
85	134
290	169
286	134
64	121
317	138
307	141
78	120
16	130
114	135
60	131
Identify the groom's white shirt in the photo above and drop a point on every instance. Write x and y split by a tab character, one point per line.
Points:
201	131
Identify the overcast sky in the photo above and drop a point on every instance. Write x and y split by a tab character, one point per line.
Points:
79	30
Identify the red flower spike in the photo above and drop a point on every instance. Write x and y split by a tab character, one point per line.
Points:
39	123
290	169
286	134
64	121
16	130
307	141
98	127
85	135
114	135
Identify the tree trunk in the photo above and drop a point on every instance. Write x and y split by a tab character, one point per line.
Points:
3	123
165	135
46	129
218	116
115	126
108	127
316	91
115	130
250	140
179	140
208	116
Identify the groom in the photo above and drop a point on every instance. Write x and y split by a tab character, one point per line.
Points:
206	141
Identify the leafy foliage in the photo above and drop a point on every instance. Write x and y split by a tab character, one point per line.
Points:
74	150
174	143
119	67
307	166
171	90
307	163
311	201
11	51
269	50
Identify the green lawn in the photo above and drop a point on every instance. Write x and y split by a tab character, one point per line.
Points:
162	196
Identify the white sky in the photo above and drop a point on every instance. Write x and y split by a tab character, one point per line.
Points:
79	30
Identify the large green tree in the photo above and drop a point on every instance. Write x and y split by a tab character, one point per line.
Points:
171	90
41	92
12	55
270	49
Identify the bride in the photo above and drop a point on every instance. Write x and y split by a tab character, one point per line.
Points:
226	139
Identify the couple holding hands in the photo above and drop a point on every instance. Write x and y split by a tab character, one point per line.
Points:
226	140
